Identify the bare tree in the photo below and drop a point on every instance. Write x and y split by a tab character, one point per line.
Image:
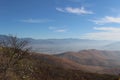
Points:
12	49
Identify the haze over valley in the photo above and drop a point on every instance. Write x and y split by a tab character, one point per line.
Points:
55	46
59	39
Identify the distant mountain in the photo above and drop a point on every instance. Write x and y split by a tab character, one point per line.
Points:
95	61
2	37
99	60
92	60
65	63
55	46
113	46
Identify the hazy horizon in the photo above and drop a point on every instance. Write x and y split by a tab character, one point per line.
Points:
59	39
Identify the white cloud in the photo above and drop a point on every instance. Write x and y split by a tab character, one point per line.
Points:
103	33
72	10
56	29
60	30
36	20
110	29
60	9
107	19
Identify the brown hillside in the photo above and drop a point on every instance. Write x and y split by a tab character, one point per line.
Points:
97	59
47	67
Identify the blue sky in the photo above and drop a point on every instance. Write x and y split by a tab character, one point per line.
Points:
43	19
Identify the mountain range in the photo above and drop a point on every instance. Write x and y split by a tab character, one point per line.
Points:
92	60
40	66
55	46
79	53
72	57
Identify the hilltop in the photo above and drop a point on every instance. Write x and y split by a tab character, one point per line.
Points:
95	60
38	66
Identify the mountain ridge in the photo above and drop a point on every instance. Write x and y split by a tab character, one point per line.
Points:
105	60
56	46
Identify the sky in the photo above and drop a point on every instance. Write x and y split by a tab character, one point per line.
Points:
58	19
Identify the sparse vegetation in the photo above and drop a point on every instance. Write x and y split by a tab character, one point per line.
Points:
17	63
12	50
